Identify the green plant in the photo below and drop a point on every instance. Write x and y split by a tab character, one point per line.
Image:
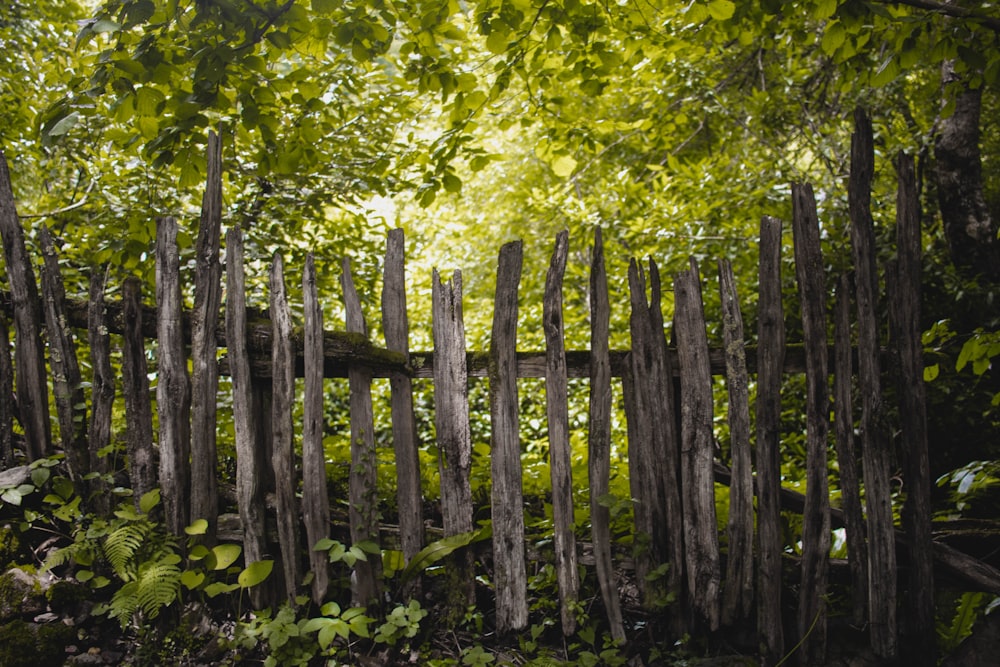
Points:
336	623
401	623
477	655
284	639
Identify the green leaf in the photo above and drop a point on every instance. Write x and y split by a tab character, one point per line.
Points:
255	573
192	579
435	551
149	500
65	124
931	372
218	588
833	37
40	475
563	166
12	496
199	527
225	555
825	9
721	10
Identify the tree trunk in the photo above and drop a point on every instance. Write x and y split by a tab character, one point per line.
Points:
968	225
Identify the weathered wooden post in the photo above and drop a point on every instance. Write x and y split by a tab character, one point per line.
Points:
363	490
29	359
770	366
172	390
816	516
599	438
6	397
135	386
557	411
874	440
102	383
510	578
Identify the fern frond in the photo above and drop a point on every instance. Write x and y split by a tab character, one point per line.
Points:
124	603
966	613
121	546
158	585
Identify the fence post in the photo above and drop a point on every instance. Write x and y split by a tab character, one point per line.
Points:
510	578
102	383
599	438
6	397
874	440
282	429
204	366
557	412
770	364
135	386
250	464
905	316
362	488
315	500
29	359
172	391
701	543
395	323
737	598
67	389
843	416
816	515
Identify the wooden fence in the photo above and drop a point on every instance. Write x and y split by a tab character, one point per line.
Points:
668	403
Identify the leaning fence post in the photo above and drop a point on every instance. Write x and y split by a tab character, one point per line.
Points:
816	515
6	397
29	359
102	384
135	386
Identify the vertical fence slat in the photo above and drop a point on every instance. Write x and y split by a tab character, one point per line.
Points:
135	386
451	421
847	459
905	298
510	573
557	412
29	358
701	541
599	438
874	441
363	491
204	367
395	323
6	397
666	445
102	382
250	461
67	389
282	431
315	500
645	485
172	392
770	364
737	598
816	516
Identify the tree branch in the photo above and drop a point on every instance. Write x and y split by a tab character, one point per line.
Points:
953	11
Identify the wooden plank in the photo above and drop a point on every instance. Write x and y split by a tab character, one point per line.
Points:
507	508
172	389
250	461
666	444
771	342
67	388
451	421
875	443
102	389
29	360
645	460
557	412
816	517
847	458
282	429
6	397
737	598
701	541
135	387
363	490
315	499
920	649
395	323
204	366
599	437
